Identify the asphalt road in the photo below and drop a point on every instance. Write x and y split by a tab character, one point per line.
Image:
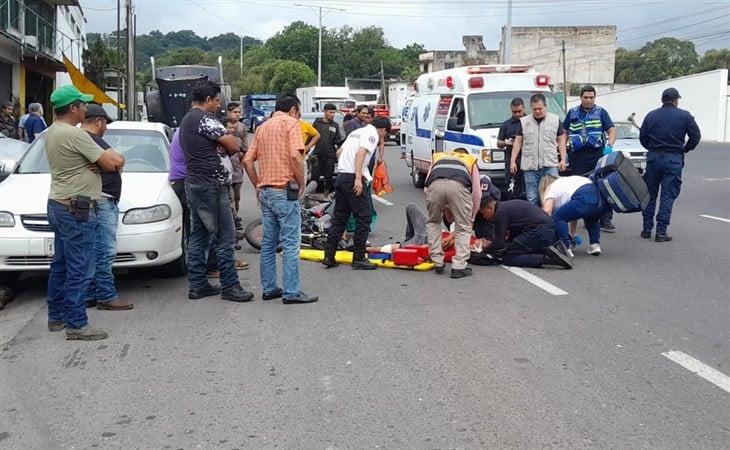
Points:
399	359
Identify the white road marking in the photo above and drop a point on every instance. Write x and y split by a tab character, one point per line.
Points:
715	218
382	200
714	376
537	281
717	179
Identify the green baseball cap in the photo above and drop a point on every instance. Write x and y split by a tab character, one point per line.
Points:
65	95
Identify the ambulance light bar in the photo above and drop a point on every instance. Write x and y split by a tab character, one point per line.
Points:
542	80
497	69
476	82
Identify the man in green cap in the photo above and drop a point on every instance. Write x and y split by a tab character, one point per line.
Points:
74	159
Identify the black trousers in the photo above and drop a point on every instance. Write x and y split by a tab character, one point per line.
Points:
346	203
528	249
326	171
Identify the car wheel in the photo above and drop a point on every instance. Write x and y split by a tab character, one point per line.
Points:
418	178
179	267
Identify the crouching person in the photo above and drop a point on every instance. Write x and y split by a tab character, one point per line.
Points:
452	183
533	240
568	199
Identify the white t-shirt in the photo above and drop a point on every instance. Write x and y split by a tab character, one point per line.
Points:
563	189
365	137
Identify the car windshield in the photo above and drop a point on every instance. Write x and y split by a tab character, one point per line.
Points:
490	109
626	131
266	105
143	151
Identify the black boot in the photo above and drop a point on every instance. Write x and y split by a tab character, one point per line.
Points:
555	257
360	262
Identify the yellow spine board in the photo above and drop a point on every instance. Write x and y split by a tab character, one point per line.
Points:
344	257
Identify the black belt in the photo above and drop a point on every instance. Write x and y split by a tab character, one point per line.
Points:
670	152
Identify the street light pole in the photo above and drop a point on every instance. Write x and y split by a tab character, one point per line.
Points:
131	85
508	35
319	54
319	11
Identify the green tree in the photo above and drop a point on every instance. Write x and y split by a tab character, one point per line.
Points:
231	41
657	60
297	42
183	56
186	38
290	75
715	59
96	60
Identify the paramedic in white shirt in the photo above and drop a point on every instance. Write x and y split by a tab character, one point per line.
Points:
357	149
568	199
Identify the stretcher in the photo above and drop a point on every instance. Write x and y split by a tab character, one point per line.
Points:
345	257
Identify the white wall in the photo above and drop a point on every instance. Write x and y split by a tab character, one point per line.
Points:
727	119
704	95
70	39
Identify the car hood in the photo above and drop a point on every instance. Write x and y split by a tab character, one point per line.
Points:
28	193
629	145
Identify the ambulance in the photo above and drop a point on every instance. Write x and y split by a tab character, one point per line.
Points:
465	107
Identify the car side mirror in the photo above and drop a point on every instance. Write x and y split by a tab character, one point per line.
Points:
454	125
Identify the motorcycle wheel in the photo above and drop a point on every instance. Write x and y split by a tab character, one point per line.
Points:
254	233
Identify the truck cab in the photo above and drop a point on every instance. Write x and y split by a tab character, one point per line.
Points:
256	109
465	107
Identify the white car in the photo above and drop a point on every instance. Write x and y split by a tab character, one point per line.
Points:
150	229
627	142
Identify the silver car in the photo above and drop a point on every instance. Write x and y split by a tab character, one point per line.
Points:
627	142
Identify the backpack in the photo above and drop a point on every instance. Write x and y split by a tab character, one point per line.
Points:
620	183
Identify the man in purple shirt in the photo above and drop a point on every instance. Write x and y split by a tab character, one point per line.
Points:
178	170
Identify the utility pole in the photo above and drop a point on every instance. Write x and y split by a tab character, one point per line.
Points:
131	84
508	35
566	90
382	82
319	11
119	61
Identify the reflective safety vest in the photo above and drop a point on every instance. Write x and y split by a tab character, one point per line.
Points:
453	166
586	133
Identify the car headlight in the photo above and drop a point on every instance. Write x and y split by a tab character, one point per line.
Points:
626	154
6	219
497	156
156	213
486	155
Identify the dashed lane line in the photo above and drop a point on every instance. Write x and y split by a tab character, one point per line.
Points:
699	368
537	281
706	216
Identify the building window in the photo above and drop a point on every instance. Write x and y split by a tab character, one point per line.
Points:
10	15
448	65
40	21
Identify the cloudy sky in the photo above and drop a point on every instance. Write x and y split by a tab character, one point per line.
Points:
437	24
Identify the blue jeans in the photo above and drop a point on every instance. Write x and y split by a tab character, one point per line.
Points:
587	204
101	287
662	170
282	223
210	219
72	267
532	182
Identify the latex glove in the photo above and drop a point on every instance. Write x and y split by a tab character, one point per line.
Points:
607	149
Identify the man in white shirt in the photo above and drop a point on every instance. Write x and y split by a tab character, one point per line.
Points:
359	146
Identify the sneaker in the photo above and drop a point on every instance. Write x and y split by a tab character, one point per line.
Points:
85	334
439	269
608	227
664	237
56	326
301	298
562	248
278	293
646	234
115	305
594	250
236	294
555	257
207	291
363	264
461	273
570	253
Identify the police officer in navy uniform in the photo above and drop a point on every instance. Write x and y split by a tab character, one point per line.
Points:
663	134
591	134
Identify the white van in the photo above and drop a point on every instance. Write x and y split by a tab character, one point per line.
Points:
464	107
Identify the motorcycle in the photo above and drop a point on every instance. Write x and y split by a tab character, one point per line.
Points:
316	211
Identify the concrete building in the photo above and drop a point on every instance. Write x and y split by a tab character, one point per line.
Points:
34	37
475	53
590	52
